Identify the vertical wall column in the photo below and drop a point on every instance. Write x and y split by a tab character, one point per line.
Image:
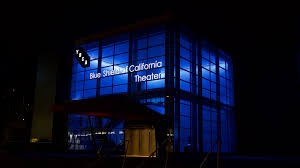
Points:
218	100
194	128
177	92
169	81
200	116
132	52
45	93
99	67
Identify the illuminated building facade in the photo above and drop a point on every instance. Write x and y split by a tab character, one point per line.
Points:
168	69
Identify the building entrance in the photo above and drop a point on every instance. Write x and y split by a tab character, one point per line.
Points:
141	142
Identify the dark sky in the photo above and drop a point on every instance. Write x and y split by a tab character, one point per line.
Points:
260	38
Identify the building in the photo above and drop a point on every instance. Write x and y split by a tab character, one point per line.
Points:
140	87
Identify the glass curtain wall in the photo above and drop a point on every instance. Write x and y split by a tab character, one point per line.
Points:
115	59
203	107
205	81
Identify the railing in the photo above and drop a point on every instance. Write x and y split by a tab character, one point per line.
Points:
210	151
168	141
126	149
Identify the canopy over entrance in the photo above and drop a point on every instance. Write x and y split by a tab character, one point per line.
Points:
111	106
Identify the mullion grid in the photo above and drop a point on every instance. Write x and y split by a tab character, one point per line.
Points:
84	71
190	82
114	55
147	36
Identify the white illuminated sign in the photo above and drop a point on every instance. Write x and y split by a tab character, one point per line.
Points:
132	68
82	57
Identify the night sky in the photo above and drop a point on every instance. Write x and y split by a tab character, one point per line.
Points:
260	38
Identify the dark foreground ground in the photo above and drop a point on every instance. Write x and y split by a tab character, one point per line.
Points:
89	161
51	159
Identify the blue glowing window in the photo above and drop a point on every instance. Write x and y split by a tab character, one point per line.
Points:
185	110
77	67
76	95
106	81
122	58
121	48
205	93
90	84
185	64
141	54
158	59
155	84
213	86
222	81
120	79
205	84
205	74
205	53
120	67
185	86
223	99
222	91
185	75
156	39
213	77
185	53
91	93
93	65
157	107
213	96
105	90
87	73
77	86
77	76
106	69
120	88
108	61
184	41
205	63
107	51
222	62
156	51
212	58
213	67
142	43
222	72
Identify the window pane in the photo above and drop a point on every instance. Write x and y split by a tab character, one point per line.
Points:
90	84
205	63
120	89
93	53
105	90
121	48
141	54
142	43
185	64
185	86
156	84
120	79
93	65
205	74
108	61
107	51
122	58
156	51
91	93
205	84
185	53
205	93
106	81
156	40
185	75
